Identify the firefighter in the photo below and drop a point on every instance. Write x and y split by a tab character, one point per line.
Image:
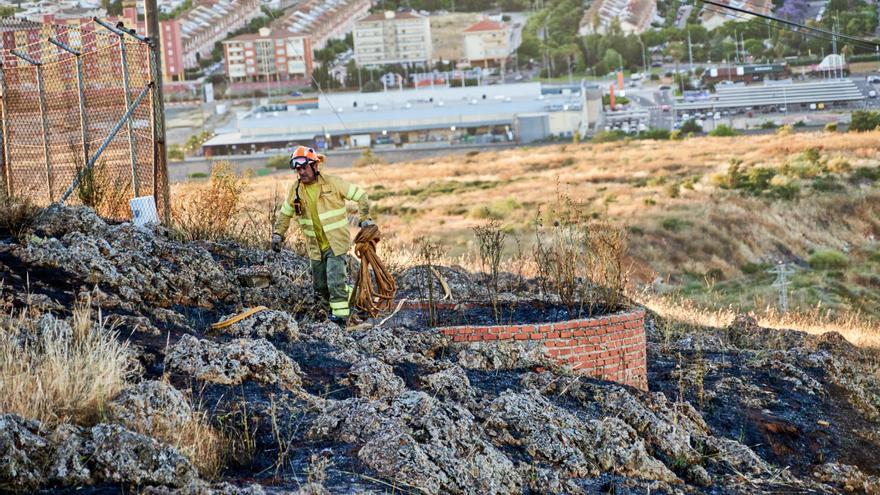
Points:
317	201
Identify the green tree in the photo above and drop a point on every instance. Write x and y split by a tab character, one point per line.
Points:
863	121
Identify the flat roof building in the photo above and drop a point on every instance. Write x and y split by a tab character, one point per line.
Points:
408	119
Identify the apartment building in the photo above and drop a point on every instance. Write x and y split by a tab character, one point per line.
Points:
323	20
270	55
487	43
191	37
392	38
634	16
712	18
184	40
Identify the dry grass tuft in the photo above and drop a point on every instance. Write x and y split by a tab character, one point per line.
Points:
58	373
196	439
16	216
853	326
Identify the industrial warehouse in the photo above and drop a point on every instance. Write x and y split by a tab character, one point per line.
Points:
419	118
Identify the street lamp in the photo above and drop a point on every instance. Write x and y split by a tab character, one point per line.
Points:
644	62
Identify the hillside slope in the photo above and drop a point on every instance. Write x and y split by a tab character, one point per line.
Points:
706	216
307	407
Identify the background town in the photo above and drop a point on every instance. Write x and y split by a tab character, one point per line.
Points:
247	79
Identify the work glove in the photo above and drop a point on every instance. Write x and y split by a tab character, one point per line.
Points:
276	242
366	223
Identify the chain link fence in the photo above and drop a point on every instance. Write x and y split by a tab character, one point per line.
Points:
79	116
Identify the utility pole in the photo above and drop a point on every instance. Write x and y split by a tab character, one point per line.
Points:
569	69
736	45
834	44
644	61
690	52
160	157
782	272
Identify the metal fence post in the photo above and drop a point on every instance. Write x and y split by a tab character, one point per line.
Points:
131	137
4	145
42	100
81	87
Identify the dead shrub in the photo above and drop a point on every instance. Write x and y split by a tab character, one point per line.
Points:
580	260
208	211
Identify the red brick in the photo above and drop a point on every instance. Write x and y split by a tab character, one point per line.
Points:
474	338
490	336
564	335
553	335
537	336
505	335
578	333
522	336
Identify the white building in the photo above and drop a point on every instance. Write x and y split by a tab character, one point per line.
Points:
392	38
634	16
487	43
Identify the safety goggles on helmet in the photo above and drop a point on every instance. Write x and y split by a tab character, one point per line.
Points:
300	161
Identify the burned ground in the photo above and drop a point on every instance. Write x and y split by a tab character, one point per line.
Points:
308	407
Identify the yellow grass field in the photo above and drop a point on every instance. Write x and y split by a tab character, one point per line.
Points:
685	232
629	182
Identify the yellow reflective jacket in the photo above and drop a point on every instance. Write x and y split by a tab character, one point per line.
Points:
331	212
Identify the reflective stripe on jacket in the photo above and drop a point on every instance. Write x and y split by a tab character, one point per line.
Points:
331	213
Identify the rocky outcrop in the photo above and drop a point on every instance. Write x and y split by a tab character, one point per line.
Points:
451	383
551	434
502	355
739	409
374	379
848	478
150	407
233	363
264	324
35	457
420	442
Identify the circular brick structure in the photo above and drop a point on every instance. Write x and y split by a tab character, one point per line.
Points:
610	347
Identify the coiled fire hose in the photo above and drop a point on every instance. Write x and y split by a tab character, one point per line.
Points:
367	297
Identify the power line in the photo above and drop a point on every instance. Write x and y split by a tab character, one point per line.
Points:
791	23
873	46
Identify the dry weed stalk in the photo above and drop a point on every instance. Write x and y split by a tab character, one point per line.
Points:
491	240
430	253
240	434
57	373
